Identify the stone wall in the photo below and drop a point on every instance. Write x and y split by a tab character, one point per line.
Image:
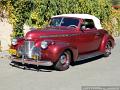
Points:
5	31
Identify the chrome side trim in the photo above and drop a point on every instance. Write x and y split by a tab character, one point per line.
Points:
62	35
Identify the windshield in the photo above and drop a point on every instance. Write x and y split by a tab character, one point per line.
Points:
64	21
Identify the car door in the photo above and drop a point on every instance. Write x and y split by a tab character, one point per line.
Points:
89	38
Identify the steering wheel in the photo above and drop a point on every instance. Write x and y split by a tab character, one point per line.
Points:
74	26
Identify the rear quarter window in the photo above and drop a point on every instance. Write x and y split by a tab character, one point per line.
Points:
89	23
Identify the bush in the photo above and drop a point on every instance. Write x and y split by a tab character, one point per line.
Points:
115	21
18	11
37	13
47	8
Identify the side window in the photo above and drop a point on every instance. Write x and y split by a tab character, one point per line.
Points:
70	21
89	23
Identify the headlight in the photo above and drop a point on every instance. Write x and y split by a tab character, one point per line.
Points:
14	41
44	44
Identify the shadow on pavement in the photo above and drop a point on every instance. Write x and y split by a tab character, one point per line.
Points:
32	67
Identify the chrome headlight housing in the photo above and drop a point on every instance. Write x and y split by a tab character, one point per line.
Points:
14	41
44	44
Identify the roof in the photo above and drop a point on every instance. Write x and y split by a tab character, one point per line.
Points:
83	16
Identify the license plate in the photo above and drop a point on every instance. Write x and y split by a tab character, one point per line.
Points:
12	51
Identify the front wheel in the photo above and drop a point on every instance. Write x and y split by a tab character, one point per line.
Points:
108	48
63	62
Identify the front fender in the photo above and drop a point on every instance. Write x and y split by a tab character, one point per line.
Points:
54	51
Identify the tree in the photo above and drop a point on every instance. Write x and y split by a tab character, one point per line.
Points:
37	13
47	8
2	8
22	11
18	11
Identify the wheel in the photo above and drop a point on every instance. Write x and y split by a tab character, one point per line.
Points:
63	62
107	49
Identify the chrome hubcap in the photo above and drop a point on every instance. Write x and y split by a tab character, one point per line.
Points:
108	48
64	59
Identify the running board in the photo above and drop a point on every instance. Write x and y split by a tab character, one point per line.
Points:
87	56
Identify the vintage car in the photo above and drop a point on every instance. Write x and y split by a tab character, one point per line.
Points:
67	38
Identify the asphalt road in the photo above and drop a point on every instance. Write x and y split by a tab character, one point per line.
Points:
96	72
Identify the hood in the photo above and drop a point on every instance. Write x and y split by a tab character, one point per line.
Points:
49	31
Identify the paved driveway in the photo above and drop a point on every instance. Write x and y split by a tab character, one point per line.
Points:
97	72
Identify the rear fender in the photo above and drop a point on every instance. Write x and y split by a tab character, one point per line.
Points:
105	39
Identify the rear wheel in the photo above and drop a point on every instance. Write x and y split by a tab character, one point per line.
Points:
108	48
63	61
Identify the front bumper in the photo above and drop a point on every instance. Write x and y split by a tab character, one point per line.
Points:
32	62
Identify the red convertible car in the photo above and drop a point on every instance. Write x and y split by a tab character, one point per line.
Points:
68	38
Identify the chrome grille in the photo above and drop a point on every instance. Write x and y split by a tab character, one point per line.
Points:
28	50
28	46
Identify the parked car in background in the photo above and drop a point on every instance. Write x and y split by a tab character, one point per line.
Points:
68	38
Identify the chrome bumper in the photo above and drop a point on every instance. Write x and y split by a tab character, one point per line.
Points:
32	62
